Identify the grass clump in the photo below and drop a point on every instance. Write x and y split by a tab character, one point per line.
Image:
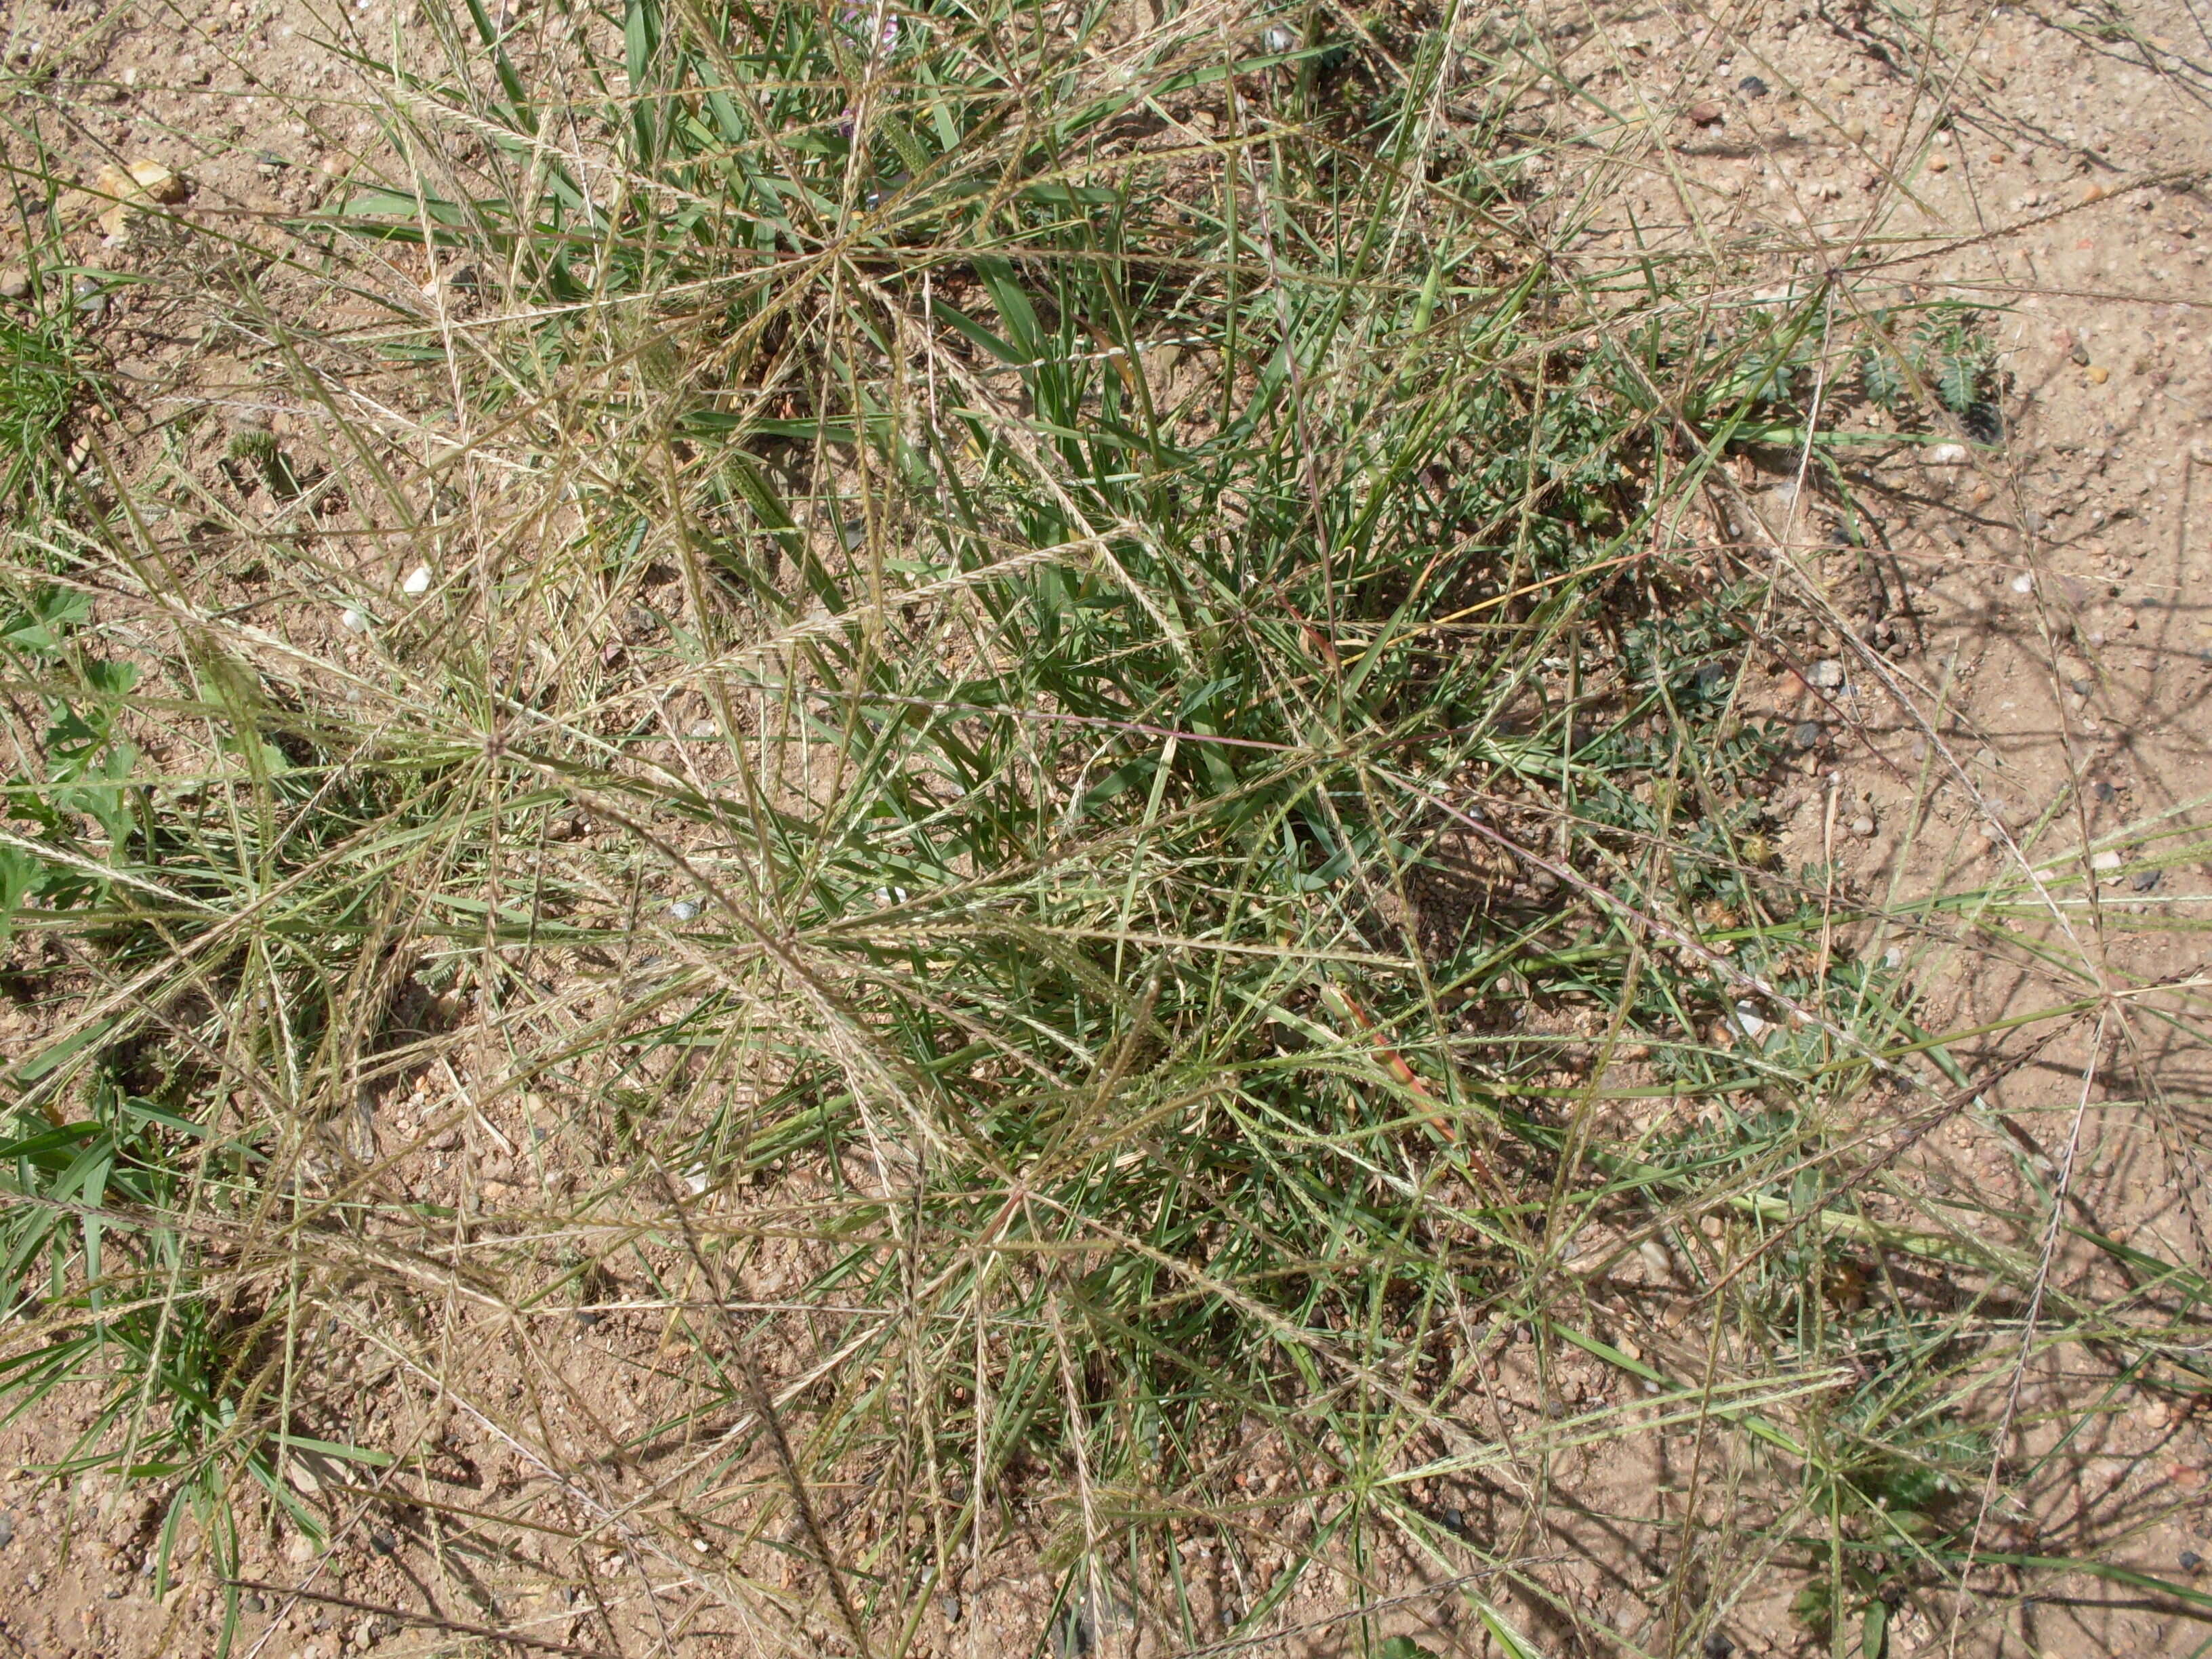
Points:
40	382
1061	829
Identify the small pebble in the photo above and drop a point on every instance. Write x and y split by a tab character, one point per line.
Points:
2024	582
2098	374
1826	676
2191	1560
1657	1262
1752	86
1946	455
1893	957
683	910
2107	860
2147	880
1939	163
2101	789
1862	827
1278	39
15	284
418	580
1707	114
1806	734
353	621
951	1604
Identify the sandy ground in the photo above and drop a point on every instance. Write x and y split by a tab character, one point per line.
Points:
2013	669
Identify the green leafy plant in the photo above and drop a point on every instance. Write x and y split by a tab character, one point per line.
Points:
1941	352
119	1302
1010	779
39	384
257	447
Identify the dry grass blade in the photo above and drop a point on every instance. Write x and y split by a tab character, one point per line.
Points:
886	831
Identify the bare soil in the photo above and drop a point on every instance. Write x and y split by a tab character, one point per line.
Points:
2024	656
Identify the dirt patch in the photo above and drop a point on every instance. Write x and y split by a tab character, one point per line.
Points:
1989	661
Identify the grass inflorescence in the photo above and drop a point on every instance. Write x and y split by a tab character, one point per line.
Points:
975	785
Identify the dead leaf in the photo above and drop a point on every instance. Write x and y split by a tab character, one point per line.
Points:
145	181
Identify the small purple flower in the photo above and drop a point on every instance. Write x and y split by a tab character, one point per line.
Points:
854	17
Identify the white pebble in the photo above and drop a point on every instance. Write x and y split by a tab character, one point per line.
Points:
1862	827
683	910
1746	1019
1826	676
1947	455
1657	1260
2105	861
418	580
2024	582
353	621
1892	958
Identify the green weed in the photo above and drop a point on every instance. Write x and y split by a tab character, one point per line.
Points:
1058	783
39	383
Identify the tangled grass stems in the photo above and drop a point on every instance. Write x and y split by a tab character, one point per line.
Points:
1063	817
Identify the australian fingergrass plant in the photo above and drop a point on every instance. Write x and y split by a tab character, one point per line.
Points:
1064	814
